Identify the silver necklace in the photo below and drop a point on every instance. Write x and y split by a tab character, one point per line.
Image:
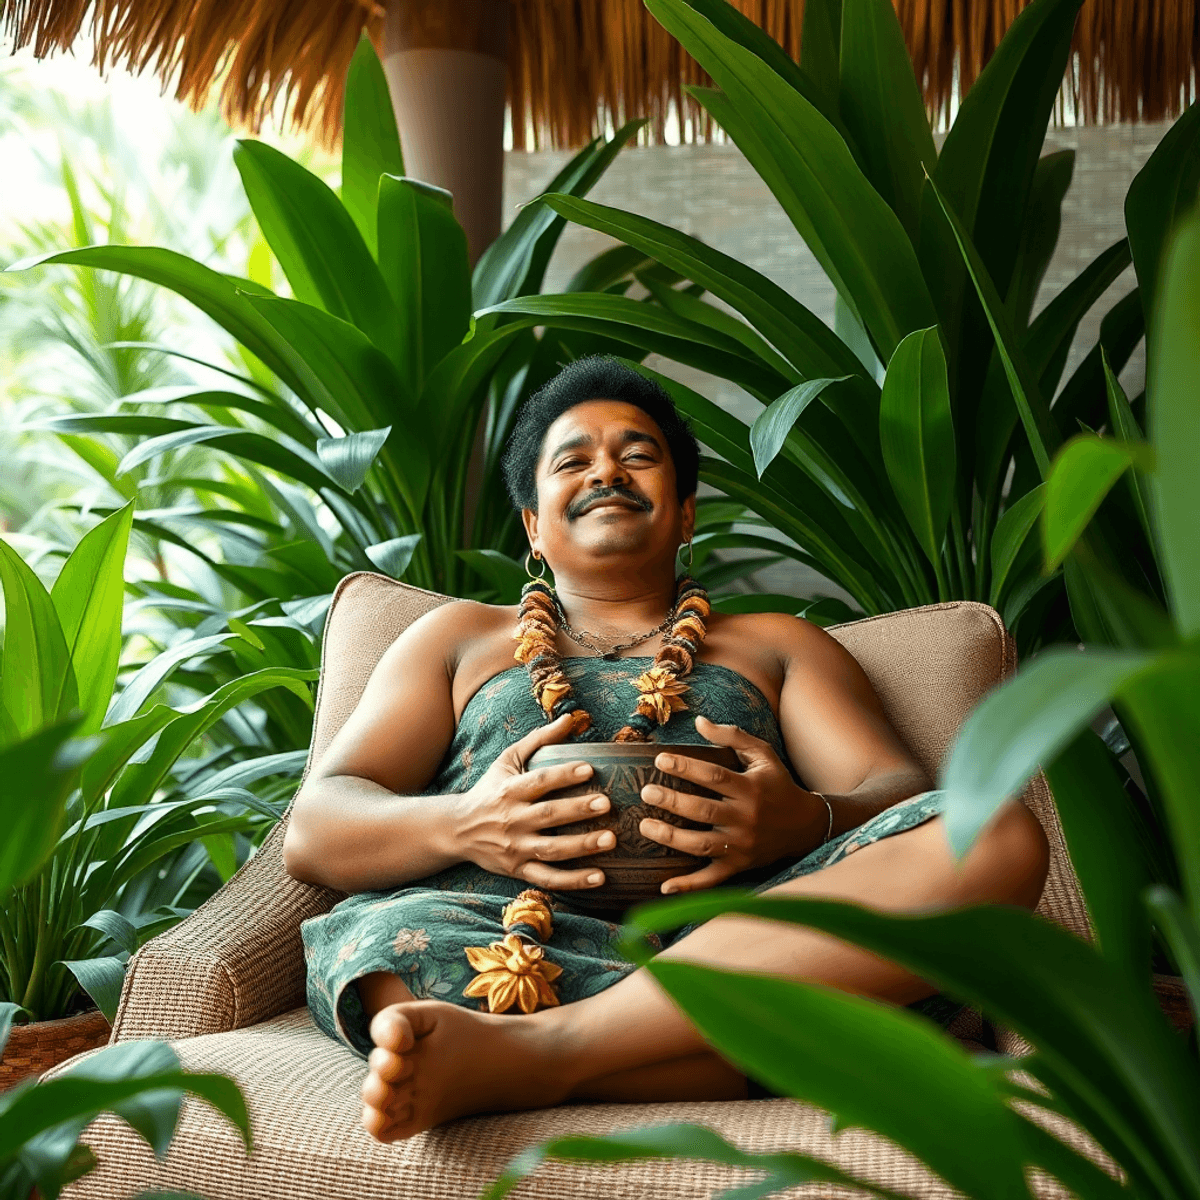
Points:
604	647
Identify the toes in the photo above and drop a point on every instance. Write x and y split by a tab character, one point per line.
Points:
391	1029
391	1068
389	1127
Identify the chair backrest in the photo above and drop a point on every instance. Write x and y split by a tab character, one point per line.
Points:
930	666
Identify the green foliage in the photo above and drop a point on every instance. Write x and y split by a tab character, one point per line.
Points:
900	495
140	1082
126	809
370	386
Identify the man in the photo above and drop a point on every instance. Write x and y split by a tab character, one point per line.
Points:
422	809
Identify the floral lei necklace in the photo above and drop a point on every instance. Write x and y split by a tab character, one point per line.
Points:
661	688
514	972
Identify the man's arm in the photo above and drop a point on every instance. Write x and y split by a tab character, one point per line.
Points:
356	824
834	728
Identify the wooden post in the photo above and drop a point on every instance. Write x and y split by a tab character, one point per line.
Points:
446	66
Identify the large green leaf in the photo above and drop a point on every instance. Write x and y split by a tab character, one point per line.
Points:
1103	840
358	386
37	775
423	257
820	51
1125	428
37	682
916	432
515	263
102	978
1182	933
279	454
678	1142
869	1065
1162	192
349	458
1035	415
107	1082
313	236
805	162
986	170
1022	725
370	139
1164	712
1010	534
1173	415
800	336
273	410
772	425
1102	1040
1039	236
152	674
1082	474
883	108
651	328
88	596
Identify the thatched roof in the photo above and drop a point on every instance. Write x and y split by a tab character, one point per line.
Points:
574	64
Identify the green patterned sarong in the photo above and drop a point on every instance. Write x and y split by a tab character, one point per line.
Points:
419	931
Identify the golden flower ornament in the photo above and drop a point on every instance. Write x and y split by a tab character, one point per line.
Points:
531	908
512	972
661	691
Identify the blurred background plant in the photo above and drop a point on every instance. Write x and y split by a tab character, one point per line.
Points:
139	1081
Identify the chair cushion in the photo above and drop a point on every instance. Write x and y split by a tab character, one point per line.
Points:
302	1091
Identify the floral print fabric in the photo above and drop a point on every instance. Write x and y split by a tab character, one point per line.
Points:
420	932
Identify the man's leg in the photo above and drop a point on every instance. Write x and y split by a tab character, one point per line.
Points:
436	1061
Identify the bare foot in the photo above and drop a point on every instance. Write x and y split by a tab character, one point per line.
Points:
435	1061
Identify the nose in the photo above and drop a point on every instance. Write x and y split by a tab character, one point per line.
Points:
607	471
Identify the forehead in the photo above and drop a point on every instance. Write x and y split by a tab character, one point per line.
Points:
595	420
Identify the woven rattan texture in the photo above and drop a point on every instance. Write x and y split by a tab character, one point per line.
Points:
955	652
302	1091
237	961
32	1049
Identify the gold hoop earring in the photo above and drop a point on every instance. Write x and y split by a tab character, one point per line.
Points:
691	555
540	559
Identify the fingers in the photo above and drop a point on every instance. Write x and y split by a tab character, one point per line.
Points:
695	808
556	849
532	785
710	775
749	748
543	876
546	814
703	843
711	876
544	735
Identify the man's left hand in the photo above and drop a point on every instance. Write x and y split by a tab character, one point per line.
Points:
762	814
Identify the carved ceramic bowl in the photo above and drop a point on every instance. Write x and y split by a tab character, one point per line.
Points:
635	868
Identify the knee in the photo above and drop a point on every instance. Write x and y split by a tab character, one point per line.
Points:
1015	856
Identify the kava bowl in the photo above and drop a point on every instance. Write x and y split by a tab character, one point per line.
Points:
635	868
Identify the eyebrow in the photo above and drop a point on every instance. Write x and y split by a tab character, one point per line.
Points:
628	437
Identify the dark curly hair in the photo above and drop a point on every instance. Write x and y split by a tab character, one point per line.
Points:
595	378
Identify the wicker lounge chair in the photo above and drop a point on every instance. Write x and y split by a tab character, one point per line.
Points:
226	986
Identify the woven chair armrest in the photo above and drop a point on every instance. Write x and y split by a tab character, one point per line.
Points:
237	960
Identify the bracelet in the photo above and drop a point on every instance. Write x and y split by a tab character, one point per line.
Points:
829	831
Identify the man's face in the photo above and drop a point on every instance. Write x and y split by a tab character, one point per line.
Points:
606	486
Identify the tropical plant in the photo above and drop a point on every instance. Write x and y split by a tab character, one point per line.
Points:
139	1081
104	888
922	489
1103	1057
370	386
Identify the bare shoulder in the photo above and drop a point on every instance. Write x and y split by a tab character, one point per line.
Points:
450	632
792	641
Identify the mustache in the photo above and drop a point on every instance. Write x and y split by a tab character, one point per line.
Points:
576	508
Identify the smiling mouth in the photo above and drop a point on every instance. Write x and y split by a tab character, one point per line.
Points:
623	505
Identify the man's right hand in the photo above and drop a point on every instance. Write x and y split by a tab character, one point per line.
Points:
502	817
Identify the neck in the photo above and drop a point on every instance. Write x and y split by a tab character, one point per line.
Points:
626	606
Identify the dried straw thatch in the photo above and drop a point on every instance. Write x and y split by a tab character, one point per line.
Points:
577	64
